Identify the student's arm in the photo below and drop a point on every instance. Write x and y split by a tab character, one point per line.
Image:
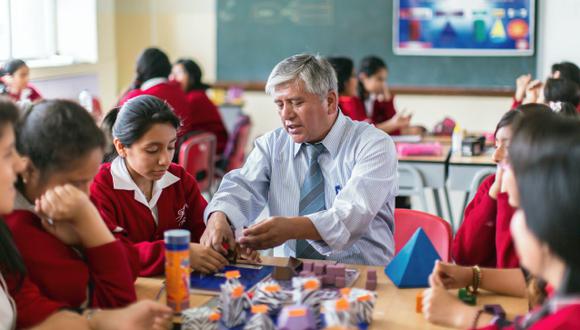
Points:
505	250
474	243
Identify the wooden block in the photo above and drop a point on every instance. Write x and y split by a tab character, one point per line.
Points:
308	266
318	269
371	284
340	282
419	302
372	274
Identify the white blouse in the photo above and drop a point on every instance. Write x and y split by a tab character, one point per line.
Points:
7	307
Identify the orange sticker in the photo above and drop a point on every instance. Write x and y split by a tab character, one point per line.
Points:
233	274
342	305
238	291
311	285
272	288
298	312
366	297
259	309
215	316
345	291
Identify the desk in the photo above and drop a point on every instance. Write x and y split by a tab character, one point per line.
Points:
395	308
463	170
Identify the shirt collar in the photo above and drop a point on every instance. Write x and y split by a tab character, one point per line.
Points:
332	140
122	181
152	82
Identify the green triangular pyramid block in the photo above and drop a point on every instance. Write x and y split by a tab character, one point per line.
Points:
411	267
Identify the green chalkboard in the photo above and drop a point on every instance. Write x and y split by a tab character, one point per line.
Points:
254	35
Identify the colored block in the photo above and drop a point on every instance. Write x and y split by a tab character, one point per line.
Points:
340	282
328	279
305	273
419	302
318	269
371	274
281	273
467	297
308	266
297	317
371	284
411	267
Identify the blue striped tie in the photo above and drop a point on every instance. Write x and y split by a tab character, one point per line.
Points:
311	197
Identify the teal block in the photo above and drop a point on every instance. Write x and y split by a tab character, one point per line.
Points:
411	267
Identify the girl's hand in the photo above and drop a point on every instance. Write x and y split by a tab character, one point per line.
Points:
144	314
64	204
386	95
205	259
521	86
442	308
533	92
452	276
497	185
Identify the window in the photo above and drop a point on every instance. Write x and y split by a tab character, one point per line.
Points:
48	32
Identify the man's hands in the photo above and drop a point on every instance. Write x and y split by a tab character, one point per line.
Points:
217	232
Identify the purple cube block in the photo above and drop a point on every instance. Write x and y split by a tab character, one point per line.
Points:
305	273
297	317
328	279
340	282
308	266
318	269
496	310
371	285
340	270
371	274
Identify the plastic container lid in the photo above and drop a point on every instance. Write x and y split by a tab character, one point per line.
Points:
177	236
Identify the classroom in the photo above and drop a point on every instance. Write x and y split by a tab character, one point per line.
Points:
289	164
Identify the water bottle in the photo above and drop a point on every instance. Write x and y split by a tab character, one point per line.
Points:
456	140
86	100
177	269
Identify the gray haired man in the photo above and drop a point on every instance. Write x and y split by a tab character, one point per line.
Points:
329	183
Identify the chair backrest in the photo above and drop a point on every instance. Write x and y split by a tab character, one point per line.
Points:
196	156
236	150
437	229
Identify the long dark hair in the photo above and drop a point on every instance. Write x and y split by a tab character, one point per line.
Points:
545	153
137	116
11	66
54	134
511	116
561	90
107	128
10	259
194	75
343	66
369	66
152	63
568	70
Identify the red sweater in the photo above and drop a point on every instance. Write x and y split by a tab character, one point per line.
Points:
563	319
207	118
64	274
172	93
353	107
33	97
484	237
180	206
32	306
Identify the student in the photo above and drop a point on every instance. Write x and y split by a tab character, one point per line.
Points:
206	115
14	82
561	90
348	101
528	91
544	154
141	194
378	100
483	238
35	309
153	69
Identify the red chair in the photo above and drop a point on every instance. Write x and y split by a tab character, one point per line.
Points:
235	152
437	229
197	157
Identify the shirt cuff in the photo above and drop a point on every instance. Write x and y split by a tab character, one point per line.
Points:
334	234
236	218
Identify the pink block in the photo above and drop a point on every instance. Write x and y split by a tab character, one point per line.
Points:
340	282
419	149
328	279
340	270
307	266
372	274
305	273
318	269
371	285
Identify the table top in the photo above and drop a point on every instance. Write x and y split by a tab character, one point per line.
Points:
483	159
395	308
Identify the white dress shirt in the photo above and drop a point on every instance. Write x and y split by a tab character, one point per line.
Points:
360	179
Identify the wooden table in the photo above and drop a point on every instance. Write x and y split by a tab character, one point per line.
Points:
395	308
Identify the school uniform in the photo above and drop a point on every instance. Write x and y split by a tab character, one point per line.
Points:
484	237
28	94
176	203
517	103
168	91
557	313
206	118
352	107
100	276
381	111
